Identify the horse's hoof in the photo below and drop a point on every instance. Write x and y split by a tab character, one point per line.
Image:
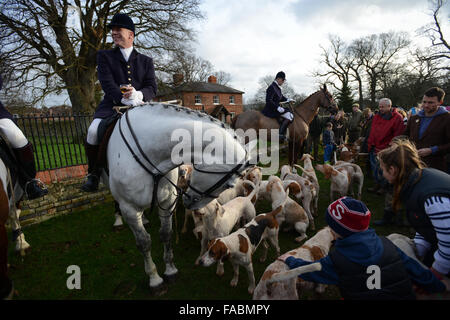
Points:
170	278
159	290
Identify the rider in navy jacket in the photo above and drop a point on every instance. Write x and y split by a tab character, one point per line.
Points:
273	108
273	99
113	71
122	65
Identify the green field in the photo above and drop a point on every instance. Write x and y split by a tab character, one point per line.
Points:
112	267
50	154
58	142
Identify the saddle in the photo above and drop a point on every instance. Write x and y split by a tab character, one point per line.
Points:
105	129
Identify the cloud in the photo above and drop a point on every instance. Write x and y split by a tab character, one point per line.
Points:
254	38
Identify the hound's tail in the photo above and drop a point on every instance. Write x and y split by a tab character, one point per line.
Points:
305	172
341	165
317	266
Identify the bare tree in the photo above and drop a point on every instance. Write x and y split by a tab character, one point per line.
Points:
192	68
440	46
51	45
223	77
376	53
339	64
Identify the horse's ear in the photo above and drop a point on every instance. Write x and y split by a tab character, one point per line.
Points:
324	87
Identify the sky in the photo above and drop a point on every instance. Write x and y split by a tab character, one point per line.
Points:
254	38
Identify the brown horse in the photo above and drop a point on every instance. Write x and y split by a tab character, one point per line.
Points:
304	113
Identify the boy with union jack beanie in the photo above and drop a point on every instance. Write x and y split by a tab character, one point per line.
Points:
362	264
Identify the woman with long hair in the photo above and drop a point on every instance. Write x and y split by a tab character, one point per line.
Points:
425	194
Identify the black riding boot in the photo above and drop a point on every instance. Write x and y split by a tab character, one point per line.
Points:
33	188
283	128
91	185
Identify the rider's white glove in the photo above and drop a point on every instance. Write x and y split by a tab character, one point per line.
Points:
281	110
136	95
131	102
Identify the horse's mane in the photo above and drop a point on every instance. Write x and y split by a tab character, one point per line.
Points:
308	97
191	113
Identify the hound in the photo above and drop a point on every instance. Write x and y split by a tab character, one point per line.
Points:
293	214
241	244
356	176
314	249
310	174
219	220
308	190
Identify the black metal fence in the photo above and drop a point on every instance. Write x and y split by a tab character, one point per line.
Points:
58	140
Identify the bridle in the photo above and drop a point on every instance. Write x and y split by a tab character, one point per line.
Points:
330	102
209	192
158	175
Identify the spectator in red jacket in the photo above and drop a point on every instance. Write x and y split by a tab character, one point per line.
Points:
386	125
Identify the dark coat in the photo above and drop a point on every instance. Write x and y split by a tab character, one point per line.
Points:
3	112
113	71
273	99
436	134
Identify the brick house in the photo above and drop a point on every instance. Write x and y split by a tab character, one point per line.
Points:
220	101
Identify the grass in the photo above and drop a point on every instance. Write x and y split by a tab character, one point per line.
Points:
50	154
112	267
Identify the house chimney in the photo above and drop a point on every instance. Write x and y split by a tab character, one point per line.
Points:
177	79
212	79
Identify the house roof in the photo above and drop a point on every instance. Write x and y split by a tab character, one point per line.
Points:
198	87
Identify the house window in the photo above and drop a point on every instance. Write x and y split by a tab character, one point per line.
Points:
231	99
216	99
198	99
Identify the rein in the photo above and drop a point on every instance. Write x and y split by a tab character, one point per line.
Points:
228	175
